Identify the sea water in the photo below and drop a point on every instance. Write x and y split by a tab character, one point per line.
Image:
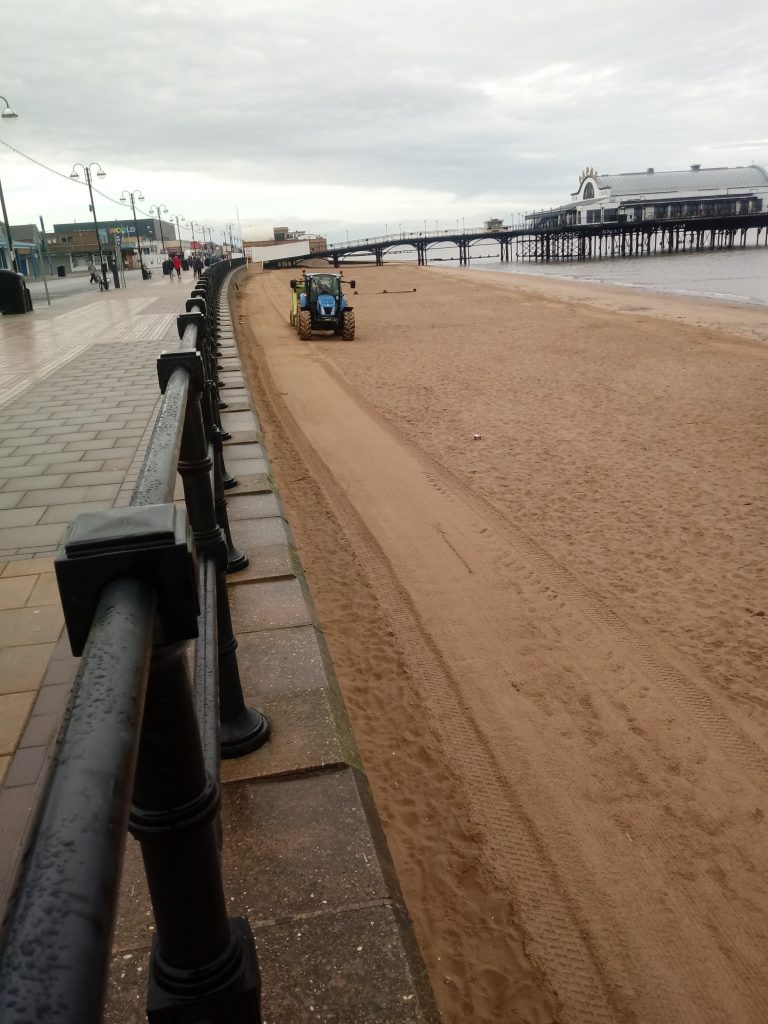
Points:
736	275
731	275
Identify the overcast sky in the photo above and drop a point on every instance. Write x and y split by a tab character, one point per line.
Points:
341	116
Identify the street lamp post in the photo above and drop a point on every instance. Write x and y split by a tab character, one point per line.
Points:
100	173
8	114
160	210
133	196
177	217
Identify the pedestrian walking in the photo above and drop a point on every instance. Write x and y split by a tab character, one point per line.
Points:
92	271
197	266
177	266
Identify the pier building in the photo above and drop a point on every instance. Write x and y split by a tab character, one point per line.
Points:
659	195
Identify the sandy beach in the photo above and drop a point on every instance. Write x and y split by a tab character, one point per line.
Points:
533	517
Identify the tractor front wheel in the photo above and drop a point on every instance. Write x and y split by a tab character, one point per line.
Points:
305	325
348	328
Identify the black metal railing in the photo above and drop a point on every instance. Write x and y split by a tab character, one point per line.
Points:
140	745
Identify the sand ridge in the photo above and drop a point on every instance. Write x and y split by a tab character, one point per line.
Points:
571	609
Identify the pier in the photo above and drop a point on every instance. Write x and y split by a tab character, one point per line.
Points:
549	244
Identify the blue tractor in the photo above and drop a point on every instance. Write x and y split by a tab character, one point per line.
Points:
317	304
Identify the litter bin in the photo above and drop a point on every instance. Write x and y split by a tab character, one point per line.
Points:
61	271
14	294
145	274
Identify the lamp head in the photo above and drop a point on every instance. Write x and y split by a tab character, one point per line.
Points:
74	174
8	114
100	173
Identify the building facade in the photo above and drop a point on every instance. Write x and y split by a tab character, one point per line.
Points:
29	248
660	195
70	247
149	227
74	245
285	236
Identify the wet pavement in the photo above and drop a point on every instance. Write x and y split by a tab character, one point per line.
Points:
78	392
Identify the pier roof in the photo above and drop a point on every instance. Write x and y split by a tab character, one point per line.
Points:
689	181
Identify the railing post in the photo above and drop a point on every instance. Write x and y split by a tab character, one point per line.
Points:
203	966
242	729
211	407
236	559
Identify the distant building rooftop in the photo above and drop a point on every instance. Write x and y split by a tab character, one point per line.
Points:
692	180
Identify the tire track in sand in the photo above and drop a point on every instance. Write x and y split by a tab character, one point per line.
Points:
519	858
546	706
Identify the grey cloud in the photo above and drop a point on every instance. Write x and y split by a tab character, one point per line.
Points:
424	96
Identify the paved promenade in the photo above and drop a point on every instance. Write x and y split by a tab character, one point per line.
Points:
78	393
305	857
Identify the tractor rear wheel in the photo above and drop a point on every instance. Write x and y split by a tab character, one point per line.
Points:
348	328
305	325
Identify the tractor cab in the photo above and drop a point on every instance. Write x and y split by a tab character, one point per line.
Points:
322	297
324	284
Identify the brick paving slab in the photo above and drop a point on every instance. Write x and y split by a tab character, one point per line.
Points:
276	661
252	506
74	419
269	550
311	744
243	437
78	390
244	467
272	605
